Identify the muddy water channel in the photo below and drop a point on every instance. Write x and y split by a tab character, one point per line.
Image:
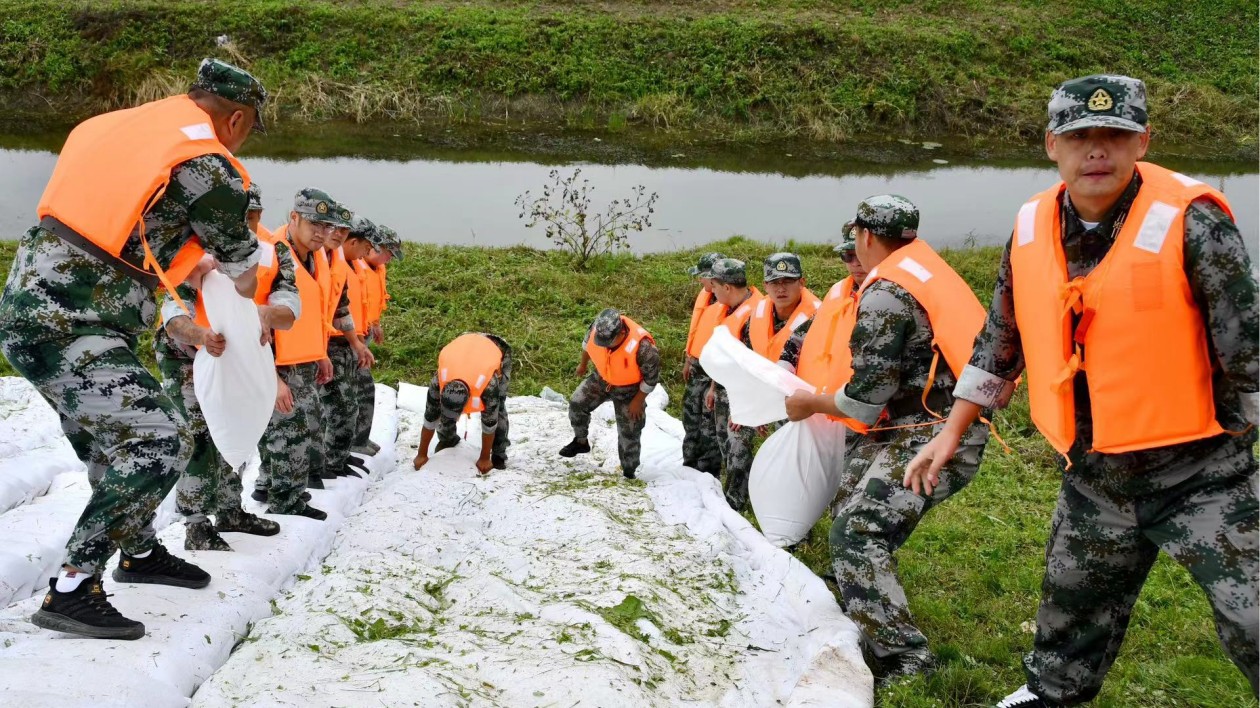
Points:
453	188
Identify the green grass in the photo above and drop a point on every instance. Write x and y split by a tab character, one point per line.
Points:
821	69
973	569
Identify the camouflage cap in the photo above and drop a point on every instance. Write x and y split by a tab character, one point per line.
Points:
453	398
362	227
608	326
255	197
390	241
315	205
730	271
888	215
235	84
848	238
1098	101
781	266
702	267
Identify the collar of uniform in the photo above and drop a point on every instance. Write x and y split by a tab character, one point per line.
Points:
1108	227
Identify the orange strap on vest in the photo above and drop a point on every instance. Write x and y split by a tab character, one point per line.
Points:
473	359
767	342
115	166
306	341
703	299
734	322
710	319
620	367
1138	330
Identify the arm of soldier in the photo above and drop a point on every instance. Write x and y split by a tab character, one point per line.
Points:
343	321
489	425
181	326
745	333
790	358
432	412
649	361
987	381
217	215
284	304
1223	282
586	358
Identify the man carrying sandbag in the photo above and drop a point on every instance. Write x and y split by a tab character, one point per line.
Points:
701	446
292	448
1127	298
209	485
916	321
473	374
627	368
80	292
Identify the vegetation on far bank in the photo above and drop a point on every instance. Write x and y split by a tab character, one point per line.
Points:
745	69
972	571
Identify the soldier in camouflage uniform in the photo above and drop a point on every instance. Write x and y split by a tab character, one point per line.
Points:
292	448
1194	500
387	247
893	355
702	446
69	319
445	404
629	402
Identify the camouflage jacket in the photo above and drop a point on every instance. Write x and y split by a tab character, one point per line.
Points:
494	396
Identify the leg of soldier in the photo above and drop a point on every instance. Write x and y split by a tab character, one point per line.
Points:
629	432
875	522
286	447
738	452
116	401
198	484
447	432
229	489
84	448
590	394
340	407
701	450
501	430
860	452
365	396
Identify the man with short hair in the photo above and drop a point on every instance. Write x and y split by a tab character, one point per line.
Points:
701	446
627	368
473	374
1127	299
916	320
80	293
787	307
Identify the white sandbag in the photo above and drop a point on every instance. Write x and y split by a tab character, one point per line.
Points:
757	387
236	391
795	477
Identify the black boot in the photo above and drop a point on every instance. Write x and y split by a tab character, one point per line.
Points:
498	462
201	536
575	447
351	470
160	568
307	510
84	611
242	521
628	474
316	481
444	444
260	495
905	666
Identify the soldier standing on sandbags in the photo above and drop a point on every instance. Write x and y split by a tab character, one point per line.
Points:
701	446
627	368
80	293
372	272
1127	299
916	321
473	374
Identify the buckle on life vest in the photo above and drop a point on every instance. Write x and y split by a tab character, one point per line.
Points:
1082	327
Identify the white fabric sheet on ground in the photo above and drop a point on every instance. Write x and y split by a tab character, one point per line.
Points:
757	387
33	451
190	632
554	582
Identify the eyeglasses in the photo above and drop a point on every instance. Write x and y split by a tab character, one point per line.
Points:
849	257
319	227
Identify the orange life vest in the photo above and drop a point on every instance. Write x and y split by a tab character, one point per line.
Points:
735	321
620	367
307	340
115	166
473	359
710	319
278	234
264	234
354	287
826	361
1140	335
329	288
367	286
767	342
373	294
703	299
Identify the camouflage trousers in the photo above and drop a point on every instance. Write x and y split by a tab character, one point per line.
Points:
702	446
292	448
365	395
877	518
131	436
1102	546
737	451
208	485
341	405
591	394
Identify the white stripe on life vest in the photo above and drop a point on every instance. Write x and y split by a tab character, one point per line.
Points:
632	345
481	378
1026	223
444	376
761	309
476	401
1188	181
266	255
800	320
914	268
198	131
1155	226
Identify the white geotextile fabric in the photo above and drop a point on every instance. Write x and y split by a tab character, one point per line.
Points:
190	632
757	386
523	588
236	390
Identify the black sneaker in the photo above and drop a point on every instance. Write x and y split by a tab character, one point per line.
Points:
201	536
351	471
316	481
160	568
575	447
498	462
905	666
628	474
307	510
260	495
444	444
242	521
1023	698
84	611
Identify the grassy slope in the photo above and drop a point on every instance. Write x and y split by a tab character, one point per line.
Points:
973	569
817	68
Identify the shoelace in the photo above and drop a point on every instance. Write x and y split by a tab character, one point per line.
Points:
99	601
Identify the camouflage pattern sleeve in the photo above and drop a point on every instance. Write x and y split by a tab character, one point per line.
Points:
1223	282
170	307
491	400
885	323
997	358
284	292
343	320
745	333
649	360
790	358
433	405
216	212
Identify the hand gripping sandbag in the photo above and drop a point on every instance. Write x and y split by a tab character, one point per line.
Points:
795	477
236	391
757	387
